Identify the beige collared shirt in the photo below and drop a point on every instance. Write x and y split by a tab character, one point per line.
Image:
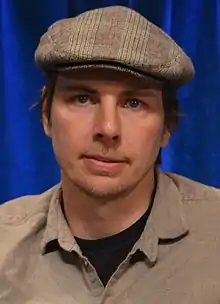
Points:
176	259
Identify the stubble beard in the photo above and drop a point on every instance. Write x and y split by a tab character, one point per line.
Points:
110	194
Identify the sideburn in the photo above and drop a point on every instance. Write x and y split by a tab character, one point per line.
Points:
47	95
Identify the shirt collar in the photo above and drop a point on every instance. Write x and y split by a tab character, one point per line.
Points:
166	221
57	227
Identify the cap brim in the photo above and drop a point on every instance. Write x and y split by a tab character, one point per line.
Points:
100	65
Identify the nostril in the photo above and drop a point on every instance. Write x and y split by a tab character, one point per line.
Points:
115	137
99	135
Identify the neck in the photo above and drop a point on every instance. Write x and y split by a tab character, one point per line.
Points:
89	218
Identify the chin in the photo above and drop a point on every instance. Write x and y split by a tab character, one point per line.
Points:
103	187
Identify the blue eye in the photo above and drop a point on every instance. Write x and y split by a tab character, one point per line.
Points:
133	103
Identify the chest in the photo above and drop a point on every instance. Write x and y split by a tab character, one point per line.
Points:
180	276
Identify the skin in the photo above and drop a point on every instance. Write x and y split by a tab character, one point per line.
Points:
107	128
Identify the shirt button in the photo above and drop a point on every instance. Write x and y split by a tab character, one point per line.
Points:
87	266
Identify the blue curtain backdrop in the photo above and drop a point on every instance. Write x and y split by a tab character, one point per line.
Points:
27	163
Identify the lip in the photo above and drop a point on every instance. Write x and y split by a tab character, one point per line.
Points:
105	159
98	164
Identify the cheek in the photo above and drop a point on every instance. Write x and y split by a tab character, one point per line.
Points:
145	139
69	132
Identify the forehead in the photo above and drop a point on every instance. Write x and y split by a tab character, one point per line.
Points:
99	76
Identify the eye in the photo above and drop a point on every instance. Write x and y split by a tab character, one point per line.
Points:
133	103
81	98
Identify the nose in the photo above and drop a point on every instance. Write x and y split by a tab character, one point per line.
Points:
107	121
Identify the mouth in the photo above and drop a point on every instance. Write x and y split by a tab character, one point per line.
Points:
105	159
98	164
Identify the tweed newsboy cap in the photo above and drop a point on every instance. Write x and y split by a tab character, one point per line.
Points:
114	37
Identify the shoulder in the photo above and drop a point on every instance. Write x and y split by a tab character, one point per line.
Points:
22	209
193	191
23	218
201	204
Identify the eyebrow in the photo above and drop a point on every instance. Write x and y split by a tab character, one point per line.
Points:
142	91
147	92
71	87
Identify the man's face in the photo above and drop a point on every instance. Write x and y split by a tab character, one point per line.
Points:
107	128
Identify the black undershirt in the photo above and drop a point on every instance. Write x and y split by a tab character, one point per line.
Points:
108	253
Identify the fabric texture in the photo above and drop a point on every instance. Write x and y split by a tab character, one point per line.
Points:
114	36
176	259
106	254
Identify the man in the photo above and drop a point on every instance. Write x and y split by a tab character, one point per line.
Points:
116	229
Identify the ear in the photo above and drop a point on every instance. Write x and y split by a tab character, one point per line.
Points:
165	138
44	115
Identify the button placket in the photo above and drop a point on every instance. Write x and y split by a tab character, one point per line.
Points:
93	282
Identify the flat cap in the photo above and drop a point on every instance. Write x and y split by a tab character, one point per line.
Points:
115	37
